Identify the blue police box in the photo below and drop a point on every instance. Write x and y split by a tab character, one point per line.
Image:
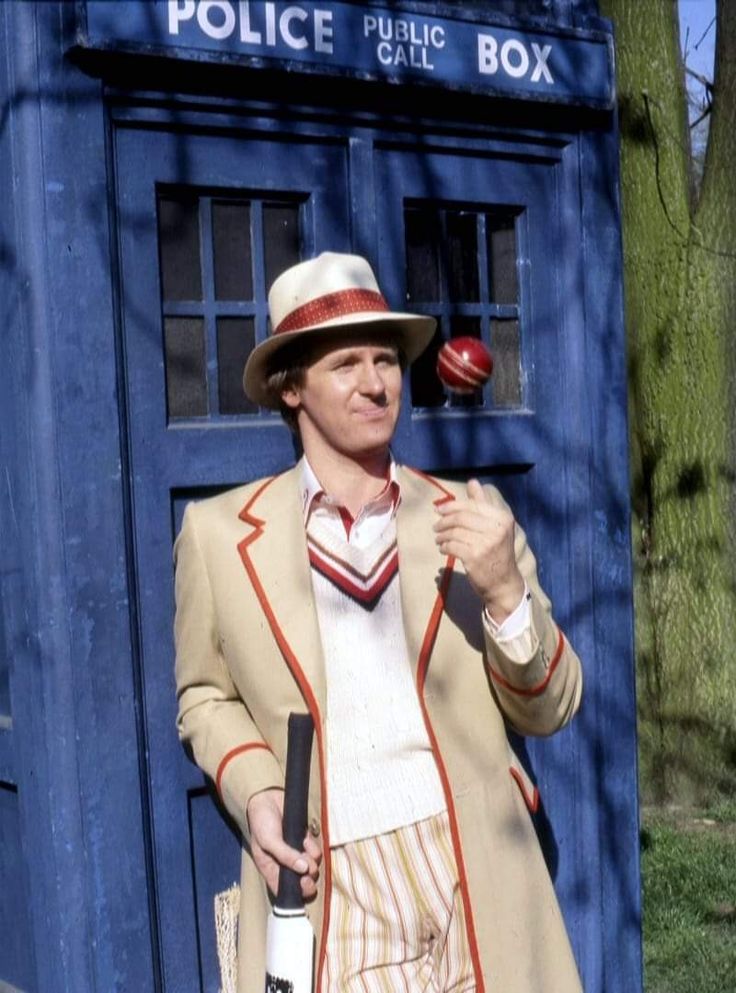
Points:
161	163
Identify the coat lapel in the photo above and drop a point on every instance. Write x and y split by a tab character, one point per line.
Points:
424	572
274	554
275	557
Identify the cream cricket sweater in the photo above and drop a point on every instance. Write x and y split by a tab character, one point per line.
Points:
381	773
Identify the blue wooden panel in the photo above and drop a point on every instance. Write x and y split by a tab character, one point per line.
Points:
16	947
615	731
76	755
4	671
215	854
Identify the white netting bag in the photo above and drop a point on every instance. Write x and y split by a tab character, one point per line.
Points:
227	907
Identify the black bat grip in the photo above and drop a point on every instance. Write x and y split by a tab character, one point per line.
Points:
296	789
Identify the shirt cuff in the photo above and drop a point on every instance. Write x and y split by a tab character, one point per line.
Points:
515	633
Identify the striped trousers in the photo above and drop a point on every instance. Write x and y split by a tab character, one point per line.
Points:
397	923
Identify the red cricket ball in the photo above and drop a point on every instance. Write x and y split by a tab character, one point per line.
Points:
464	364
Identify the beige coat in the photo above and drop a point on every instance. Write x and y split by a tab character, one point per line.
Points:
248	653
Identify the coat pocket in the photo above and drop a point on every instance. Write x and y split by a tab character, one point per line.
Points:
527	788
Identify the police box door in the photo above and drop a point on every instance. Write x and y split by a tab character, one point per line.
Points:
471	230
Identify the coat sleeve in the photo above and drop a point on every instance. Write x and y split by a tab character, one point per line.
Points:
540	694
213	720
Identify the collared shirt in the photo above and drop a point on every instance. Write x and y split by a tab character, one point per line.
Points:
514	633
373	517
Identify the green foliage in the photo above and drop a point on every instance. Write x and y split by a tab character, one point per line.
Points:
723	812
689	881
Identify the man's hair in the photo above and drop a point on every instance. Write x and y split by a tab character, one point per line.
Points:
289	365
288	371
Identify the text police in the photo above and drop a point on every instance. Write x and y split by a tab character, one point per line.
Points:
261	24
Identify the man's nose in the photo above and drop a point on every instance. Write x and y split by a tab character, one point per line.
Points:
371	381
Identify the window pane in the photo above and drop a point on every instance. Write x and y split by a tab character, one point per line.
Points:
426	389
235	341
506	377
462	326
462	257
422	233
186	376
231	240
281	237
178	239
502	259
443	256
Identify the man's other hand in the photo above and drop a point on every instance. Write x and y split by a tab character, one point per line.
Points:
481	535
270	851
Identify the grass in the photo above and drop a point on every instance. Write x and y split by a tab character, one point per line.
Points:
689	880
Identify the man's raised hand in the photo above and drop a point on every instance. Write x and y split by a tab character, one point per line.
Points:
481	535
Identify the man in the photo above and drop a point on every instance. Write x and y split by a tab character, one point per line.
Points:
404	612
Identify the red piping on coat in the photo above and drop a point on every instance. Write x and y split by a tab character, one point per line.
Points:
532	802
422	666
540	687
231	755
433	482
302	682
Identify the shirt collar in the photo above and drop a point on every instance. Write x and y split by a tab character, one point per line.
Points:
312	493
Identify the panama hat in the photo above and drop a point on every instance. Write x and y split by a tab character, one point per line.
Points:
330	293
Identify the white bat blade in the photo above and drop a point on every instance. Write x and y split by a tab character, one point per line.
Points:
289	954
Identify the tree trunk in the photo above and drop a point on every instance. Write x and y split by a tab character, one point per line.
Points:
680	277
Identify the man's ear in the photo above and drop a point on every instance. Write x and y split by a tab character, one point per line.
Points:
291	397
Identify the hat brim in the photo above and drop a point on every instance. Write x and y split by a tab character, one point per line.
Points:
413	331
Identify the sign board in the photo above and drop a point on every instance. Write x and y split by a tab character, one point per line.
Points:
395	43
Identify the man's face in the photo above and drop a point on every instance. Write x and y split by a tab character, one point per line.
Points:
349	401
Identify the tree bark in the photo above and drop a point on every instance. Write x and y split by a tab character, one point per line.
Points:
680	277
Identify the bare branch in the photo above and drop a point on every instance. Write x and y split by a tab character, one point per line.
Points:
703	80
702	117
702	37
655	144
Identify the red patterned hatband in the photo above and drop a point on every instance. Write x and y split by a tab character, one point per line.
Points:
331	305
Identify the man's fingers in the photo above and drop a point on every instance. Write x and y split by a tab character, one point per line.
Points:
286	855
309	887
313	848
269	865
458	535
469	521
270	871
475	491
494	529
475	516
267	835
482	510
269	849
455	548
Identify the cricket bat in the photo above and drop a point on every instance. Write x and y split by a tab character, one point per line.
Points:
289	937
